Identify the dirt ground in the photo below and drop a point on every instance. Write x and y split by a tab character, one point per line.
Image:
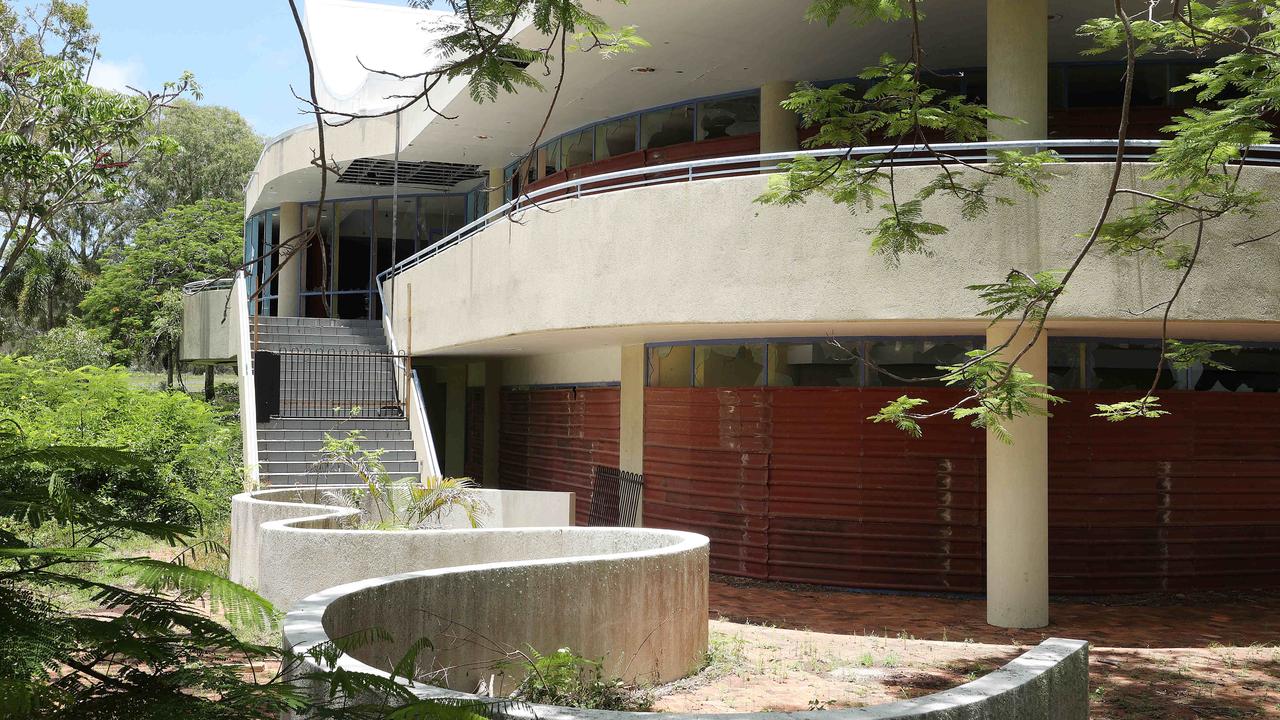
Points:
1212	655
756	667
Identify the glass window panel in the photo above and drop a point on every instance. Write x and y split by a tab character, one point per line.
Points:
1250	369
1130	365
815	364
1103	85
405	228
616	137
1066	364
550	157
351	306
670	126
902	362
670	366
353	250
453	213
578	148
728	117
728	365
1180	74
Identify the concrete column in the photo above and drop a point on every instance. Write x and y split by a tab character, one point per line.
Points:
1018	502
290	277
777	126
497	185
1018	67
631	416
455	422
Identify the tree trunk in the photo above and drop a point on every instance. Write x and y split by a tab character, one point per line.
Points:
168	366
208	383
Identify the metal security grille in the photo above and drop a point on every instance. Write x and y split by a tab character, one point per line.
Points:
327	384
615	497
430	175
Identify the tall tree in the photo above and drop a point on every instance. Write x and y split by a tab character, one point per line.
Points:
209	153
134	299
64	144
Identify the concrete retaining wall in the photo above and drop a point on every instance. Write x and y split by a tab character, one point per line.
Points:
286	543
1048	682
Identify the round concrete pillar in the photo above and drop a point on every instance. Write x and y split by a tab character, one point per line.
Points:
1018	502
777	125
1018	67
497	188
290	278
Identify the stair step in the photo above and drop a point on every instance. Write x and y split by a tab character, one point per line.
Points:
310	466
286	479
274	322
360	422
309	437
300	455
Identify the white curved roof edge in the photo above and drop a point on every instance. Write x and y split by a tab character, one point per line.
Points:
352	41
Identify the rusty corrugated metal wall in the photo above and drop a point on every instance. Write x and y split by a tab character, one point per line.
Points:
795	484
473	458
552	438
1190	501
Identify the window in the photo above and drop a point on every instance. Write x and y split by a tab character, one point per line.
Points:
728	365
552	163
669	126
814	364
1067	361
728	117
670	366
900	362
1249	369
578	148
616	137
1129	365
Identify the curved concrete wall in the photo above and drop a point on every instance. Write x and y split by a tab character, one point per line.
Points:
1048	682
287	544
696	255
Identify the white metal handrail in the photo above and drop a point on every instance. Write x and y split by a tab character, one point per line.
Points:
415	403
977	152
248	393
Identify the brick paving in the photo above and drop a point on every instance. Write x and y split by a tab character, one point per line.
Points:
1201	620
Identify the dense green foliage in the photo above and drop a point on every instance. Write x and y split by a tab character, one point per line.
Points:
192	454
137	301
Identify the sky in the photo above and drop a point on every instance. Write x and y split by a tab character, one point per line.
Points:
244	53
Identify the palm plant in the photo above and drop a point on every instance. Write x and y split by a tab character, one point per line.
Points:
429	500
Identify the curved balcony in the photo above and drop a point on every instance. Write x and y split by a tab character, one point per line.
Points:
644	254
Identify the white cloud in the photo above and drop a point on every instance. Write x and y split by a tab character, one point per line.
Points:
117	76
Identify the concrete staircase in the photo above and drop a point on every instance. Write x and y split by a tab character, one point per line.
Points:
289	447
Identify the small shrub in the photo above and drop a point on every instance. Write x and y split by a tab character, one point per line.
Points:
567	679
73	346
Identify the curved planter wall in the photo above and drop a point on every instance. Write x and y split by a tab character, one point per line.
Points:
1049	682
286	545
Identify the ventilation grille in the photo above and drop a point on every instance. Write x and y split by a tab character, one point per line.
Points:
430	175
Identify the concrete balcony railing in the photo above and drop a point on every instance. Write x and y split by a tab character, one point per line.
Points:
208	321
645	254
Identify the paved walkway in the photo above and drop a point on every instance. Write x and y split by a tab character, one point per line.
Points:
1202	620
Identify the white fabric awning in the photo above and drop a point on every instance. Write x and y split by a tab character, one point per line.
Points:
351	40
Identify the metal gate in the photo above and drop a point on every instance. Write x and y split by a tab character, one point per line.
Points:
332	384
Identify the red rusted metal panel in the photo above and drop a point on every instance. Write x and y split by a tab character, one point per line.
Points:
1187	502
473	459
795	484
551	439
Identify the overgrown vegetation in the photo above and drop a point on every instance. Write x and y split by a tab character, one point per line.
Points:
390	504
192	453
570	680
